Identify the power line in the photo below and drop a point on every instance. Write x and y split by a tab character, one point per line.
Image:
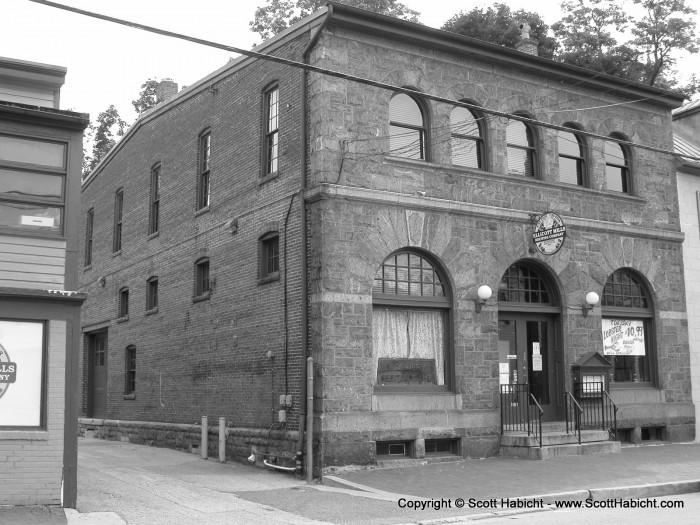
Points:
344	76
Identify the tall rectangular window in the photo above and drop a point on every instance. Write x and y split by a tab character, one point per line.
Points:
32	184
118	218
204	170
270	256
123	303
271	146
152	293
89	227
202	286
130	375
154	212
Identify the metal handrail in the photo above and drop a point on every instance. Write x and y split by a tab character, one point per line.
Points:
573	424
538	434
613	430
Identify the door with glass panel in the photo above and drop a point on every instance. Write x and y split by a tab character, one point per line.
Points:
528	356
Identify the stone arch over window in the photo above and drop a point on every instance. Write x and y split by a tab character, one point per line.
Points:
617	165
572	156
628	327
521	148
407	127
411	329
467	137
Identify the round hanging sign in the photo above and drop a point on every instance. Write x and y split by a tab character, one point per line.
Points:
549	233
8	371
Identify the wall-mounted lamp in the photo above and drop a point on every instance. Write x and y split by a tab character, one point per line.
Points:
102	281
231	226
592	299
484	292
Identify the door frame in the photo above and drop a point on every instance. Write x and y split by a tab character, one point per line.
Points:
91	337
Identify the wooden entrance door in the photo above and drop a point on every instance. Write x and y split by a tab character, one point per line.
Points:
97	381
529	354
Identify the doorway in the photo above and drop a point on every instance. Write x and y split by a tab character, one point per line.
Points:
97	375
528	355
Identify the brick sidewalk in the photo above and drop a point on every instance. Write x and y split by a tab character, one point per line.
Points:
507	477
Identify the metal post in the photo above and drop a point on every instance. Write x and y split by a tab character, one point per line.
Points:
222	440
309	419
204	449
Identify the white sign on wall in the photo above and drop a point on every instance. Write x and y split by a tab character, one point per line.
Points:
623	337
21	373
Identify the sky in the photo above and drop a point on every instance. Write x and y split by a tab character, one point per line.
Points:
107	63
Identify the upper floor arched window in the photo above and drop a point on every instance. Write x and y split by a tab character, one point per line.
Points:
467	138
572	164
617	171
521	150
407	128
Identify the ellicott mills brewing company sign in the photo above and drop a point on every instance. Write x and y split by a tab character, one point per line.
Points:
549	233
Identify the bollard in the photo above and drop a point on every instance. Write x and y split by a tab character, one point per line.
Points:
222	440
205	438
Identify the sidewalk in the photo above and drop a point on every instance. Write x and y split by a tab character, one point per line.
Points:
123	483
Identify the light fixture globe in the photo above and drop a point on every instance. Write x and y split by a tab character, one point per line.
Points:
484	292
592	299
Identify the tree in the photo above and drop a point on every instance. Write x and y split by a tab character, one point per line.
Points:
102	133
666	27
147	96
277	15
499	25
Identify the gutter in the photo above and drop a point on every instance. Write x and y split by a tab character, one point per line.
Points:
304	262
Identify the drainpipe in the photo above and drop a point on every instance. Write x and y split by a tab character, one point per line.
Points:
304	267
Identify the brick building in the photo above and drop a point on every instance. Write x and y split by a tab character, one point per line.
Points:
40	163
267	213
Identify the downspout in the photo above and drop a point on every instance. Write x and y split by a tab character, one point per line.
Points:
304	263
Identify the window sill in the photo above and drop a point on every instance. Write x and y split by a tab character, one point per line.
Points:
201	211
200	298
88	267
129	397
275	276
626	385
117	253
24	435
152	235
123	319
268	178
152	311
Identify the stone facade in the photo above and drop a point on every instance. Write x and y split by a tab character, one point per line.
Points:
360	204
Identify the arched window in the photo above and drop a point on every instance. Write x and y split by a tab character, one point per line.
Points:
572	166
467	142
628	327
617	172
522	283
410	323
521	151
406	128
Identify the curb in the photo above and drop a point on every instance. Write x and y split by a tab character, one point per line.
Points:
628	492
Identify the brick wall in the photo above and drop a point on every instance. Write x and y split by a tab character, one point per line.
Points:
206	357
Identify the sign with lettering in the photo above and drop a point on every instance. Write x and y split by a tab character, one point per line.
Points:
549	233
21	373
406	372
623	337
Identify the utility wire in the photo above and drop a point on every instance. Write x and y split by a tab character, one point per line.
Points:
344	76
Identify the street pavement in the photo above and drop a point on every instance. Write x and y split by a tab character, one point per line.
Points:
122	483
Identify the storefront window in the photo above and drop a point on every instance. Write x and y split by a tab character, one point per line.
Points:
409	323
626	324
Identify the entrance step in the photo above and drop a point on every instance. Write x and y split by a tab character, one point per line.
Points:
556	442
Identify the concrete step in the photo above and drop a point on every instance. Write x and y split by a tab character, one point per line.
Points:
553	451
521	439
412	462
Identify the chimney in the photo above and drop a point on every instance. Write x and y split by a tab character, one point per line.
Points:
526	44
165	90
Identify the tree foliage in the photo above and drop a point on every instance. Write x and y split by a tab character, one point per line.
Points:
277	15
104	133
147	96
499	25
